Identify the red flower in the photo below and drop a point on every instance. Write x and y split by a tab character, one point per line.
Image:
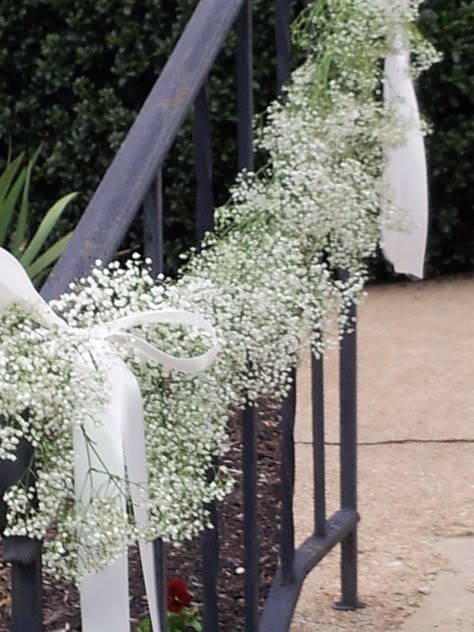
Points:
178	595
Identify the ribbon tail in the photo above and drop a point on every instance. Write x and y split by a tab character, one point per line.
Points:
105	599
99	455
133	434
406	173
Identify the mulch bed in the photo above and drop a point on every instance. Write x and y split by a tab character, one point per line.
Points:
61	603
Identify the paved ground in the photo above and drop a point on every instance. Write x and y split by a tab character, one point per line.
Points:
416	373
450	604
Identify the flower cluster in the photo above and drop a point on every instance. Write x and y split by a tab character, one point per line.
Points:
287	259
183	616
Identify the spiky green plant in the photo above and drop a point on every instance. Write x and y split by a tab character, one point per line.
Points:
31	249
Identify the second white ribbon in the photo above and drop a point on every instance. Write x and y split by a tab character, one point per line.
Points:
405	170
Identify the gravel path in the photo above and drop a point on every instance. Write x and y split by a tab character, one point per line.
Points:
416	369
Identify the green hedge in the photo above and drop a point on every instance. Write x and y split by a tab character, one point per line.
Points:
74	74
447	97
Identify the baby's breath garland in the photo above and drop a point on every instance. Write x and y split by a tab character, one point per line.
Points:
267	278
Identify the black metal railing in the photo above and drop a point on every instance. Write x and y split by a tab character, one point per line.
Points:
133	181
134	175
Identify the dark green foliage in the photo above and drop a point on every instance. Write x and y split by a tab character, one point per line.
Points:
73	76
447	96
74	73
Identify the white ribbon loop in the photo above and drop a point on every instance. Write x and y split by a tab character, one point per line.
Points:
114	331
406	170
119	441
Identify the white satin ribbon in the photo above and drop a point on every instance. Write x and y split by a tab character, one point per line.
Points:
405	170
118	442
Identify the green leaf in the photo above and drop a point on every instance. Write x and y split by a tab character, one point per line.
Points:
19	235
8	176
39	266
10	198
197	626
44	229
144	626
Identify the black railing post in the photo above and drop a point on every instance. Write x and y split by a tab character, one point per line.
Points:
348	412
22	553
153	224
203	164
245	111
348	458
210	564
287	527
249	469
245	101
319	466
159	550
153	245
202	140
283	42
288	412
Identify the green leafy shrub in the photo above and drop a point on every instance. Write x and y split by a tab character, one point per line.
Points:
74	75
32	249
447	96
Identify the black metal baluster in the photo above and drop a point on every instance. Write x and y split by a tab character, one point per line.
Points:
159	550
245	101
348	459
283	41
287	527
153	243
249	467
210	565
203	164
245	110
22	553
205	222
319	466
153	224
25	557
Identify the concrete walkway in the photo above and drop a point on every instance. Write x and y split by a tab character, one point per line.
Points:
416	471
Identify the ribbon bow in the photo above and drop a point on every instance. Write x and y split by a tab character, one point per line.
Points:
119	441
406	170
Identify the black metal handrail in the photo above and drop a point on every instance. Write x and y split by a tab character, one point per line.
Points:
134	180
128	180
